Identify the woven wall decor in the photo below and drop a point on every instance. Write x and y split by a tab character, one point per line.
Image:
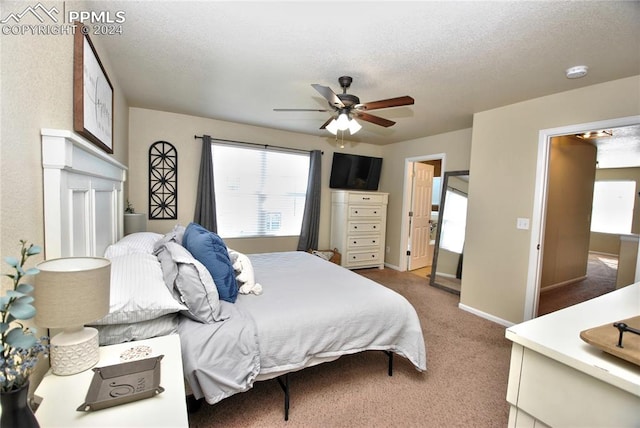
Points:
163	181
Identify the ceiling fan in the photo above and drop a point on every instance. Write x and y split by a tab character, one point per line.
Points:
347	105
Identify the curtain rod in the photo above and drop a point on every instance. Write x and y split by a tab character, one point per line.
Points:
266	146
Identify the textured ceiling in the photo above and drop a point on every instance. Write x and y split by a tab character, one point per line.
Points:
236	61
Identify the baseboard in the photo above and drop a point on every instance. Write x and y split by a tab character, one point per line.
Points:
485	315
563	284
394	267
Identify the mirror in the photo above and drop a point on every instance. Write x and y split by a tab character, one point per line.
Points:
446	269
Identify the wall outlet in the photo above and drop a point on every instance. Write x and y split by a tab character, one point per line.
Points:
522	223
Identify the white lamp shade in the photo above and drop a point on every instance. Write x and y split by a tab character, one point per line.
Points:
332	127
72	291
343	122
354	126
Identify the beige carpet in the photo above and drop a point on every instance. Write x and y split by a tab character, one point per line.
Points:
465	383
601	279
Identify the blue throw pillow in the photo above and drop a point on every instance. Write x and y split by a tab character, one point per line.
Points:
210	250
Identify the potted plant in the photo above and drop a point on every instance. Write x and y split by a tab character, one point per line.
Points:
133	222
19	346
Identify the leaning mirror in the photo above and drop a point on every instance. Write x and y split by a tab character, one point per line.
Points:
446	269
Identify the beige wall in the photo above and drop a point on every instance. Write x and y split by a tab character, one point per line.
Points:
37	92
149	126
504	155
607	242
572	170
456	147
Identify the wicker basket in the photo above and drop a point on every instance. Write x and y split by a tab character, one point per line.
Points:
333	255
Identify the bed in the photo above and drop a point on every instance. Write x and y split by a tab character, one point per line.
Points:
309	311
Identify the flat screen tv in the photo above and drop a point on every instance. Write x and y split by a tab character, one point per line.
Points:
355	172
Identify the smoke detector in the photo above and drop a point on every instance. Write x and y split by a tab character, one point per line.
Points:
577	72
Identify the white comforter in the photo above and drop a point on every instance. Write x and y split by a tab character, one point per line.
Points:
313	310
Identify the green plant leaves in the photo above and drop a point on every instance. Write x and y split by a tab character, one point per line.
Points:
18	339
22	308
12	261
33	250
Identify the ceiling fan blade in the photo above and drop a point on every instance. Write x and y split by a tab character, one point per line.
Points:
391	102
330	96
373	119
300	109
324	125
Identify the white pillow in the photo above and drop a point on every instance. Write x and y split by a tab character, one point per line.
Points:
140	242
138	292
190	282
118	333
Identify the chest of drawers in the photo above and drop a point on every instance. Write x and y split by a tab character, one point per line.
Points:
358	225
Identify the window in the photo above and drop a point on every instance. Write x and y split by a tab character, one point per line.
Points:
613	203
259	192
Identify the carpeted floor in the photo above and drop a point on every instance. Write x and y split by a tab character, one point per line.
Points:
601	279
465	383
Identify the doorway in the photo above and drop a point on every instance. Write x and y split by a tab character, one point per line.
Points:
538	223
418	237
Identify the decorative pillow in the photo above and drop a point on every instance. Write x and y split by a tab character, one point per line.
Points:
190	283
138	292
208	248
140	242
118	333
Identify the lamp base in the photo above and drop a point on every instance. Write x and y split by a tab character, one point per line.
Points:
74	351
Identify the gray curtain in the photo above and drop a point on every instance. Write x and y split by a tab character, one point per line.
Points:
206	197
311	217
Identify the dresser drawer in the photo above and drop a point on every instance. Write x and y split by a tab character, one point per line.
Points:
367	198
364	211
364	226
363	241
363	257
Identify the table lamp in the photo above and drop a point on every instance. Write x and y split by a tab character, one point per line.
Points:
70	292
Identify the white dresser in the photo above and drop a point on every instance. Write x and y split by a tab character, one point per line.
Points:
358	225
558	380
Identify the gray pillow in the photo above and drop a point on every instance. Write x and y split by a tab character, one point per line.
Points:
190	283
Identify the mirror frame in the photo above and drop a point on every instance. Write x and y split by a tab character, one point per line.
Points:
436	249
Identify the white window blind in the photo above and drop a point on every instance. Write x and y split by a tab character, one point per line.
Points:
259	192
613	203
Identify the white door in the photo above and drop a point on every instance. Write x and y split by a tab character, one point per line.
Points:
420	233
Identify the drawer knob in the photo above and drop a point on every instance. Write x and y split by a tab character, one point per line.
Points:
365	199
374	241
375	212
355	227
355	242
356	211
374	227
373	255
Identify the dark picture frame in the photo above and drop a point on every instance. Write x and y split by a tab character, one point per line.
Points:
92	93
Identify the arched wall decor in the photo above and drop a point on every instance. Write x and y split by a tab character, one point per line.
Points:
163	181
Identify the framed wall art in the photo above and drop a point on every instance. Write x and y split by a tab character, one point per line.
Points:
92	93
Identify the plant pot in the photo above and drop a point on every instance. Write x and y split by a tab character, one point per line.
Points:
136	222
16	412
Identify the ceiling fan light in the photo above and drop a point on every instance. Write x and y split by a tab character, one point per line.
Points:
332	127
343	122
354	126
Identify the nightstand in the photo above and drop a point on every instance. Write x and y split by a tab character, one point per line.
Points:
62	395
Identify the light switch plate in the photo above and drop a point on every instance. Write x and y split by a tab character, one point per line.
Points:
522	223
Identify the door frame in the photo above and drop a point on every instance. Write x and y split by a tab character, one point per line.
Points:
532	293
403	261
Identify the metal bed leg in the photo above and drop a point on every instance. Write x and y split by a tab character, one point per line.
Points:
390	355
285	387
